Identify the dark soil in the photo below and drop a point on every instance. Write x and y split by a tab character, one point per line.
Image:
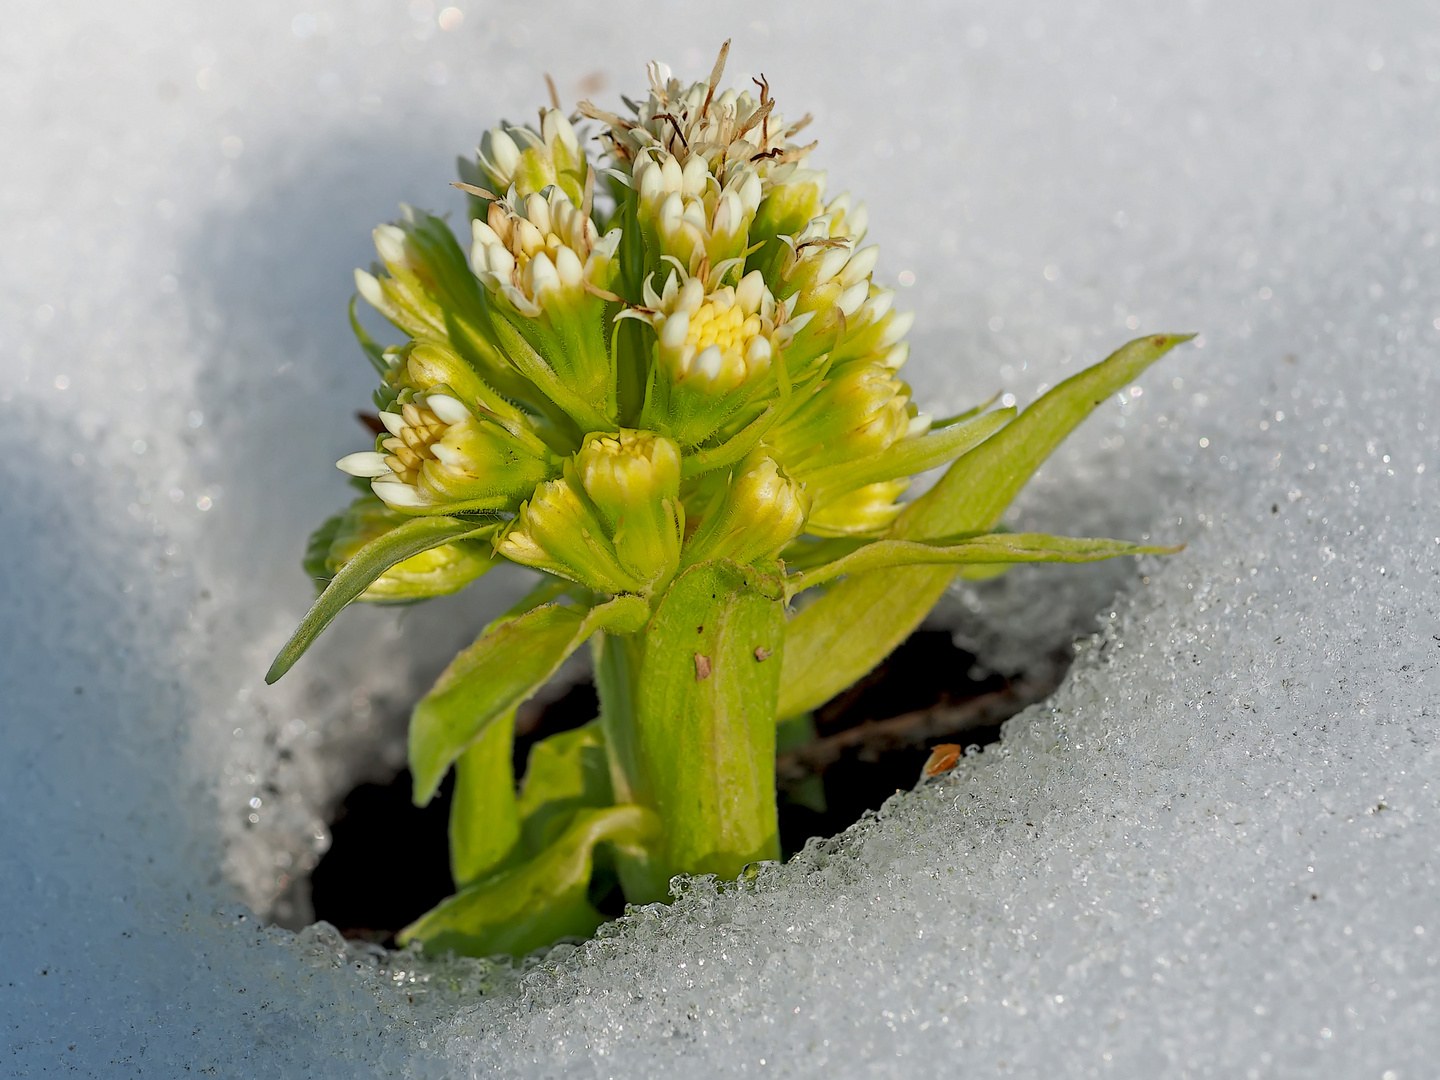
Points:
388	861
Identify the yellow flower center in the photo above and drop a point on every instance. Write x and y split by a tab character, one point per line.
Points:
726	327
529	242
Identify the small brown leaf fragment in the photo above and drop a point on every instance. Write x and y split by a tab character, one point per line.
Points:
943	757
702	667
761	653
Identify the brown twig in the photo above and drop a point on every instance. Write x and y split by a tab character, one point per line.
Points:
875	737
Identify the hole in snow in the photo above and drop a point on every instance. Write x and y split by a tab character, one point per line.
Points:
388	861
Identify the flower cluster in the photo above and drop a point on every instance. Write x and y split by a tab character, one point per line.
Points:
672	386
706	370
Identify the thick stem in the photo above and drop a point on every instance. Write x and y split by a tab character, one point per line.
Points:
705	721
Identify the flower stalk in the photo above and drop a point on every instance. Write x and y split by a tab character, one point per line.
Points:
680	404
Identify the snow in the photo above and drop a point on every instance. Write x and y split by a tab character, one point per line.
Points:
1213	853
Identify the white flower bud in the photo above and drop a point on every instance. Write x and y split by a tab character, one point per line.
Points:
695	177
368	286
898	327
499	154
446	408
832	261
750	292
674	330
878	306
367	464
483	234
556	127
537	211
860	266
540	277
672	174
391	246
853	298
567	266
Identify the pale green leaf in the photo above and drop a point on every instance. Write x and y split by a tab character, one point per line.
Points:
856	624
372	560
532	904
506	664
484	817
705	720
565	773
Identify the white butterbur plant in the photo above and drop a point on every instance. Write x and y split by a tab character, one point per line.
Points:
679	403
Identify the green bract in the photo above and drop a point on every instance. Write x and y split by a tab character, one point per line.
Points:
680	403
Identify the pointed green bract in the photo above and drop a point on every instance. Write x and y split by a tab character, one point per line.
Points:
910	456
591	416
989	550
859	622
733	450
372	349
544	898
976	490
506	664
976	410
705	719
372	560
438	571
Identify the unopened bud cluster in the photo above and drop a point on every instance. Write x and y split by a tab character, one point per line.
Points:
672	355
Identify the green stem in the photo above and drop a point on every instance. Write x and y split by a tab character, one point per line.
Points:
705	720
